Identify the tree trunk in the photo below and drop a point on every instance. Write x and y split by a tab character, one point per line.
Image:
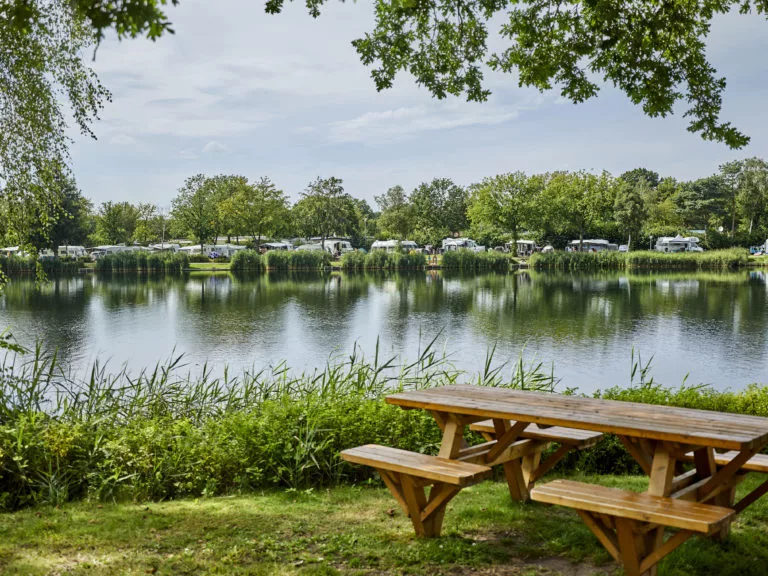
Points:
629	242
514	240
581	239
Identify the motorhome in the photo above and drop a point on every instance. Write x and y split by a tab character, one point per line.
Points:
592	245
394	245
337	245
678	244
524	247
276	246
71	251
462	244
165	247
212	250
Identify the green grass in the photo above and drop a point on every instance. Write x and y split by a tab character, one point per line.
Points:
346	530
209	265
643	259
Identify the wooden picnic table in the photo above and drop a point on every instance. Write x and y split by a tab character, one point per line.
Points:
660	438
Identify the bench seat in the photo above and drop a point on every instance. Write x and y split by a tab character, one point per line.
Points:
642	507
407	473
572	436
758	462
424	466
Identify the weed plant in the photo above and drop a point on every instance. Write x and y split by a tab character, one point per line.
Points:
712	260
247	261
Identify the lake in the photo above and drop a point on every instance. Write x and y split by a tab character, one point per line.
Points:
711	327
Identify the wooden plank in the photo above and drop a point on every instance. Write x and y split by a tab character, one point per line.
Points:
686	426
751	497
641	507
662	471
573	436
638	453
663	550
549	463
393	483
630	554
416	501
606	537
439	496
420	465
506	440
453	434
758	462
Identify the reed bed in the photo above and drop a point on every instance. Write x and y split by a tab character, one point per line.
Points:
467	260
283	260
712	260
381	260
246	261
146	262
20	266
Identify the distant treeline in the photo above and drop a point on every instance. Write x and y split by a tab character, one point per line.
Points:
728	208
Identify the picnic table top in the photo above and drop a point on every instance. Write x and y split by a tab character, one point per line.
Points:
684	425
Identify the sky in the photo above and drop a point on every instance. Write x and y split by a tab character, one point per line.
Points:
237	91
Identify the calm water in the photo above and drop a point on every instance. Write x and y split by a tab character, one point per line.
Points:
713	326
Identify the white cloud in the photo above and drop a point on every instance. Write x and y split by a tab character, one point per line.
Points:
214	147
122	139
407	122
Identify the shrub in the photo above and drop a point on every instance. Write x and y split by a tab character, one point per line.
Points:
246	261
381	260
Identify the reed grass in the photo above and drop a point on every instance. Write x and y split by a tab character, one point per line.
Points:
20	266
711	260
144	262
283	260
467	260
247	261
382	260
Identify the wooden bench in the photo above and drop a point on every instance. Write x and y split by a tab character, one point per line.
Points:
758	462
626	522
406	474
532	466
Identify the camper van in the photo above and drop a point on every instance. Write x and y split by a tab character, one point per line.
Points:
678	244
462	244
71	252
394	245
592	246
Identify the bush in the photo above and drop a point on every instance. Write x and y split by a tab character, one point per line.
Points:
246	261
199	258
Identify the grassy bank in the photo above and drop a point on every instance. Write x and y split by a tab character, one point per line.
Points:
164	433
712	260
381	260
143	262
346	530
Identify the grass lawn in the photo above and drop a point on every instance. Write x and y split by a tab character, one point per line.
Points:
349	530
209	265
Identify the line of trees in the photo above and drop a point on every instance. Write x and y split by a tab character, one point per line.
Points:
730	208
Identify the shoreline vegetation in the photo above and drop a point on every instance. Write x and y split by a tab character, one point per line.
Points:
250	261
165	433
712	260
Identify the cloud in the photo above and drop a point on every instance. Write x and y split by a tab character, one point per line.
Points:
407	122
214	147
122	139
188	154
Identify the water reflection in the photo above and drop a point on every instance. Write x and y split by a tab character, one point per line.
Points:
711	325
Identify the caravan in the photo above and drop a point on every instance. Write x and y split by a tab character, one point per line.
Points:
678	244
